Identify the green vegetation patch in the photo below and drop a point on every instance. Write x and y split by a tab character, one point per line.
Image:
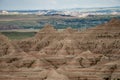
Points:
18	35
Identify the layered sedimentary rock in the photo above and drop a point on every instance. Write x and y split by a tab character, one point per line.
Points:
92	54
5	46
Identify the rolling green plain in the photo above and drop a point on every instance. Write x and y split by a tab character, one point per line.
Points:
24	26
18	35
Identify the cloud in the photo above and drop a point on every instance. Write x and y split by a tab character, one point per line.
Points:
115	1
53	2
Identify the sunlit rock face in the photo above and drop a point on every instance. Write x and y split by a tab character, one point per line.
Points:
5	46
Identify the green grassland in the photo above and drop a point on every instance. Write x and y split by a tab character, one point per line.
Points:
18	35
36	22
59	22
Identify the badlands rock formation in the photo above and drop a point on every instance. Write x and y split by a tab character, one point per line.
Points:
92	54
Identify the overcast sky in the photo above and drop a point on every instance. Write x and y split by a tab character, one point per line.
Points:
55	4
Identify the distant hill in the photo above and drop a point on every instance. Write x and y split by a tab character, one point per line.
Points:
52	11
